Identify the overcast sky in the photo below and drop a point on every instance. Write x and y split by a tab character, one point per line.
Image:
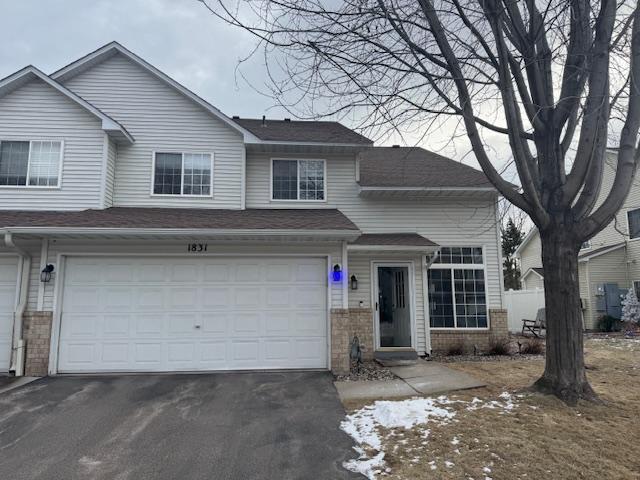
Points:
177	36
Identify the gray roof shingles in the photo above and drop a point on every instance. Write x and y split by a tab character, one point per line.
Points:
394	239
302	131
179	218
416	167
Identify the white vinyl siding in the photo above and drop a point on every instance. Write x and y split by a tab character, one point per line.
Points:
112	155
160	119
37	112
455	221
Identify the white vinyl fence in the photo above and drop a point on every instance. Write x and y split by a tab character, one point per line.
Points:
522	304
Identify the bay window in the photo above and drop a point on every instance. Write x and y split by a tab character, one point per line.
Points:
457	290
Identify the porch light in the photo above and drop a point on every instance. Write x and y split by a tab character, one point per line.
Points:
45	274
354	282
337	273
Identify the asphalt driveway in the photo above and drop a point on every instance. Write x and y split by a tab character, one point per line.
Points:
215	426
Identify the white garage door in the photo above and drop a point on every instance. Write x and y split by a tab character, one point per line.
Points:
8	282
207	313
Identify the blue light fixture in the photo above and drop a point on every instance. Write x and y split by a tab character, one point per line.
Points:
336	275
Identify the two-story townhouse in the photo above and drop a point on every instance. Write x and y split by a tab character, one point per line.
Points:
144	230
610	257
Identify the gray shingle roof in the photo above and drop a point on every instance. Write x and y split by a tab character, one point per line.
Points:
416	167
179	218
597	251
302	131
394	239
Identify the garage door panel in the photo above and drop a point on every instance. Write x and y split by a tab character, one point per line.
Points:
150	299
116	325
148	324
143	314
215	323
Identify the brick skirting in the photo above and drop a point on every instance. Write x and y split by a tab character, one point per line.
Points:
345	324
36	328
442	341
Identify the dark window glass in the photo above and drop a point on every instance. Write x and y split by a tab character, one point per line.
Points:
285	179
168	174
440	299
634	223
14	163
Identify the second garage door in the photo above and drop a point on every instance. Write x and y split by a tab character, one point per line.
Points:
207	313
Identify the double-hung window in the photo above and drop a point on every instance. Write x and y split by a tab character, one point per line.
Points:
188	174
35	163
298	180
457	290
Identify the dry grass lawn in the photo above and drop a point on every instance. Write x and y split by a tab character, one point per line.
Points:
539	439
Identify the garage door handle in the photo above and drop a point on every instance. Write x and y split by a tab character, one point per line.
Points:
197	326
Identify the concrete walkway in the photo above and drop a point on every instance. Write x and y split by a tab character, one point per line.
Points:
419	378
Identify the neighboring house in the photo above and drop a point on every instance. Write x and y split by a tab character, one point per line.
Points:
143	230
611	257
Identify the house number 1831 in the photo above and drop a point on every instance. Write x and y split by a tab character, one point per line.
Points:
197	247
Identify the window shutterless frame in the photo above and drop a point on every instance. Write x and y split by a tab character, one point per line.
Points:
298	199
462	266
182	154
31	141
626	216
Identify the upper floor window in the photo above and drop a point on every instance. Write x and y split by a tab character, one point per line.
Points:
633	219
457	291
298	180
585	245
30	163
182	174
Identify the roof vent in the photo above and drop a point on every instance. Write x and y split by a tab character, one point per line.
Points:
236	117
264	121
287	119
395	146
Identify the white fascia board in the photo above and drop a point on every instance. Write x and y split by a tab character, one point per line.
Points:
588	257
428	189
115	46
531	270
309	144
392	248
347	234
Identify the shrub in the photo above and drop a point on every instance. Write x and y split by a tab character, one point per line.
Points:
607	323
533	346
456	349
499	347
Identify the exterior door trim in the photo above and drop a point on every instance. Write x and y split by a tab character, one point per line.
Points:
412	301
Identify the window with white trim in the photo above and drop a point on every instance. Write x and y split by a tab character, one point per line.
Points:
297	180
188	174
636	287
457	290
633	220
35	163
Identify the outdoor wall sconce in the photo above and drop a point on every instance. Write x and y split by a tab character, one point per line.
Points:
45	274
337	273
354	282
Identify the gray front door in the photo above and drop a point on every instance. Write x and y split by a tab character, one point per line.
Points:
394	306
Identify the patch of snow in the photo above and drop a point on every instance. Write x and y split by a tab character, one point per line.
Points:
486	469
455	441
449	464
369	467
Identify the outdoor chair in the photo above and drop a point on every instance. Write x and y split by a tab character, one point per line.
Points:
536	326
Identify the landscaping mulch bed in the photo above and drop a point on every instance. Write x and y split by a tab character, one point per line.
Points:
367	371
482	358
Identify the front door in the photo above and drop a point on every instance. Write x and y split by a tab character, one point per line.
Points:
393	306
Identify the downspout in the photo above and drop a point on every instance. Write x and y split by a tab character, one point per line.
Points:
17	344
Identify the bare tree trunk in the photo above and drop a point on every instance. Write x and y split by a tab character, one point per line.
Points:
564	373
